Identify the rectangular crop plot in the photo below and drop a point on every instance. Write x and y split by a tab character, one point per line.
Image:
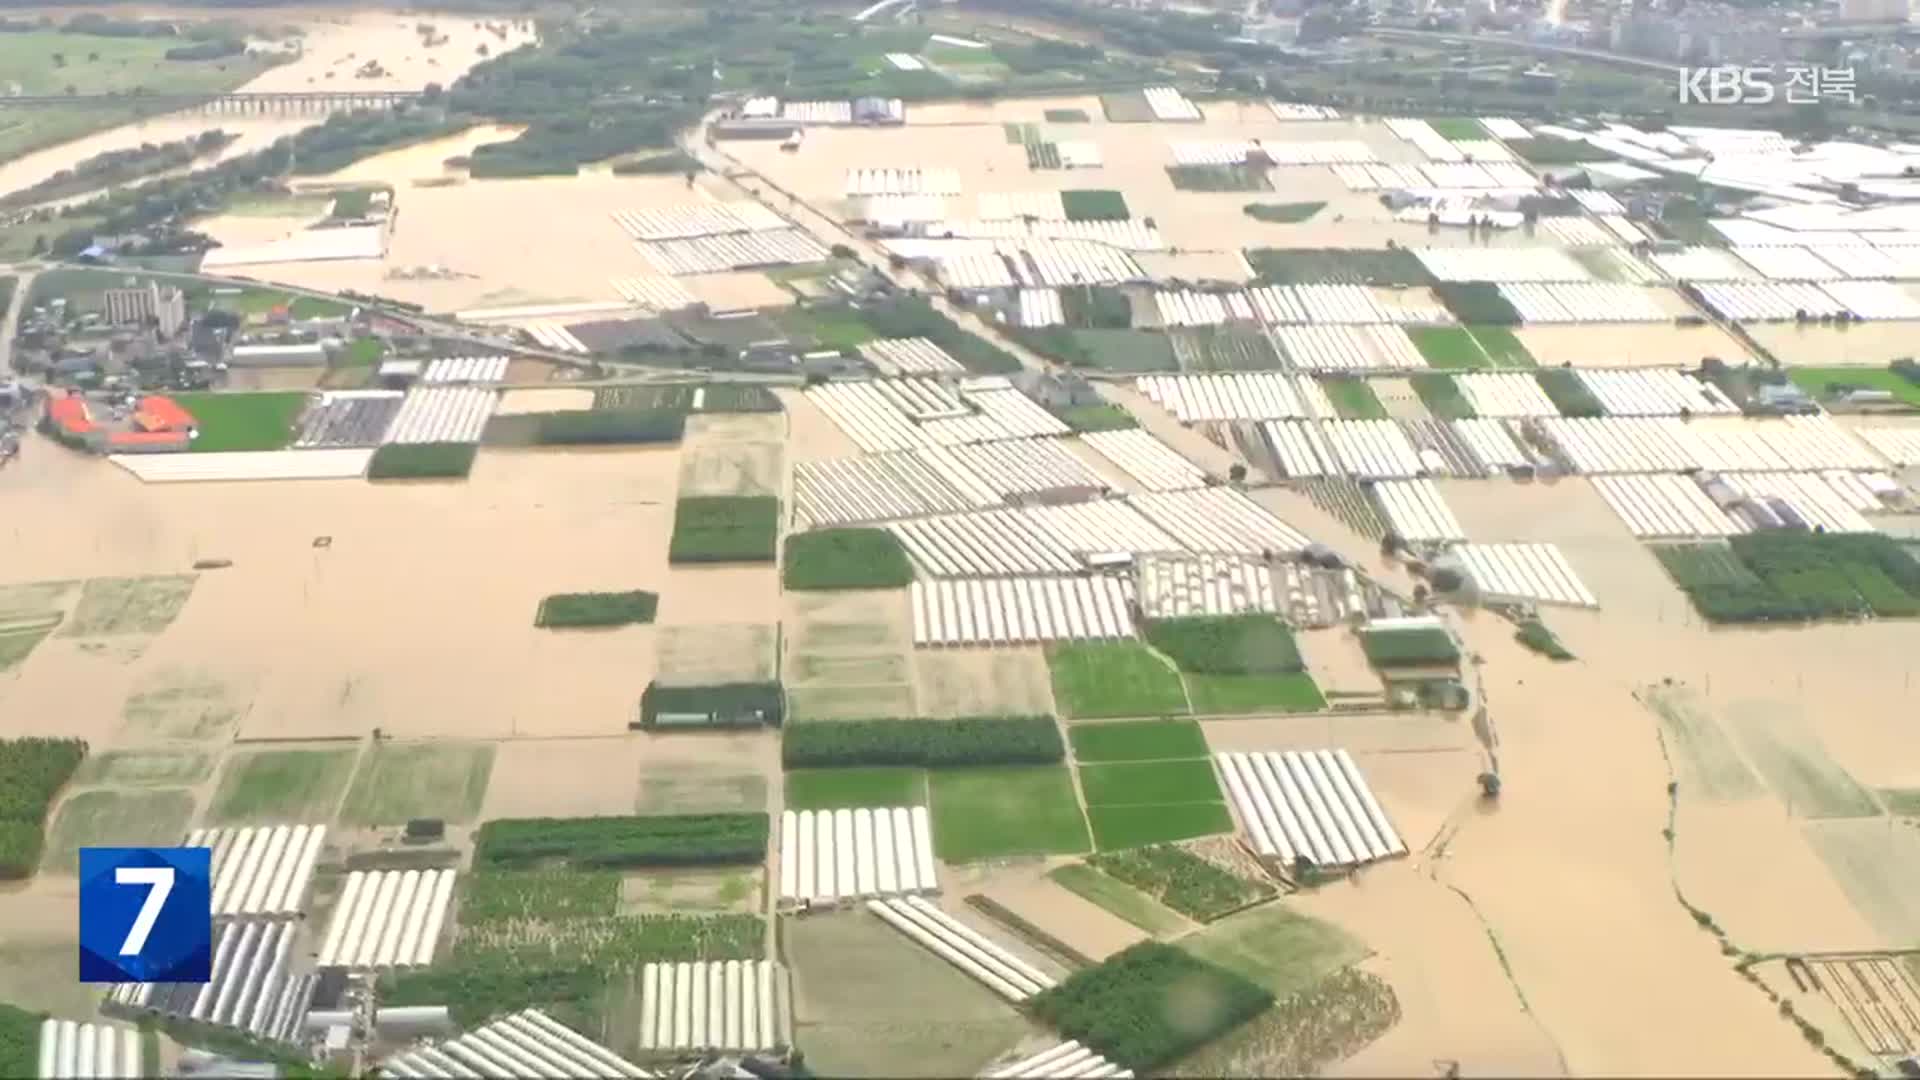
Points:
1243	177
597	609
663	840
1113	679
145	768
280	786
131	605
1117	897
846	559
115	819
990	813
1118	827
1502	347
1276	947
828	789
724	528
1182	880
399	781
1094	204
1127	350
1137	740
1411	646
1229	694
242	421
1448	347
1787	753
1149	782
1121	1008
1309	266
1226	644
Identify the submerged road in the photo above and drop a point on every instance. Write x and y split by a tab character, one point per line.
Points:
10	322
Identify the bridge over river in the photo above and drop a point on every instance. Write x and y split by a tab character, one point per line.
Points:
237	101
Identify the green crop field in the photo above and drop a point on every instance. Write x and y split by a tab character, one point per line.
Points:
1096	418
994	812
826	789
145	768
1130	1008
1822	382
1449	348
1224	694
1219	177
1127	350
115	819
280	786
1275	947
1065	116
827	326
1118	897
1283	213
422	461
1226	644
1113	679
1442	396
1398	648
724	528
1502	347
1137	740
445	779
1120	827
1458	127
598	609
260	421
1354	399
1182	880
1477	302
846	559
364	352
1184	781
1094	204
1568	394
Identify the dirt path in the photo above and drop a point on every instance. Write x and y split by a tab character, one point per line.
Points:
22	285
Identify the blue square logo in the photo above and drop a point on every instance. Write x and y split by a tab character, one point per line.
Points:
146	915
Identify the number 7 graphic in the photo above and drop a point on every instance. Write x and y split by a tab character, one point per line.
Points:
159	880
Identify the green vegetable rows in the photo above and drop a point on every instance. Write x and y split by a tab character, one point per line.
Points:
1137	1009
846	559
1226	644
665	840
32	772
1790	576
416	461
505	895
724	528
19	1042
966	740
1182	880
591	426
597	609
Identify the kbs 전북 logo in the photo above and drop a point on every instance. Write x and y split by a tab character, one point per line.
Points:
146	914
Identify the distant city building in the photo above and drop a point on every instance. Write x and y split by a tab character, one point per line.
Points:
167	308
1875	11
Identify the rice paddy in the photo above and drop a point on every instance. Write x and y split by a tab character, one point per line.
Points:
278	786
1114	679
986	813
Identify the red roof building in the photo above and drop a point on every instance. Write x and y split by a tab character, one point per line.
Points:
157	414
69	414
145	440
